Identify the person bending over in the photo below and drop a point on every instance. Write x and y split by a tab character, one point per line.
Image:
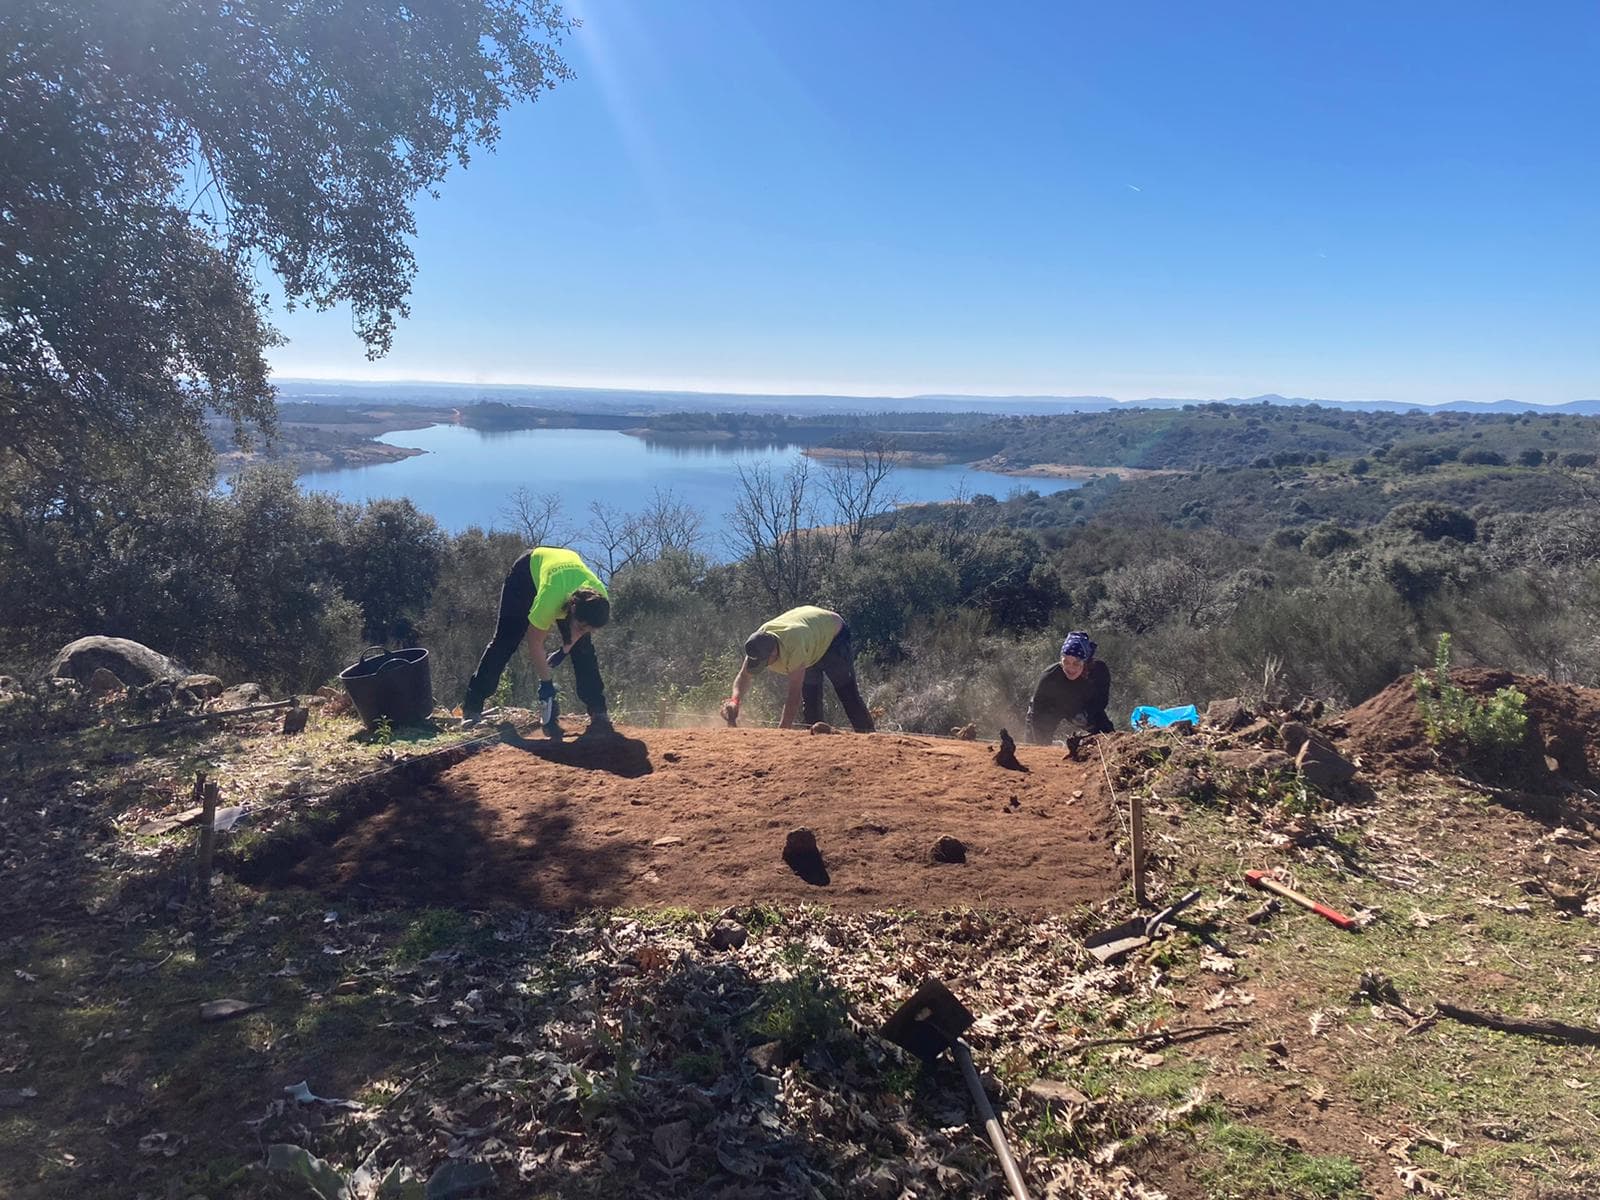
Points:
805	644
1076	689
547	586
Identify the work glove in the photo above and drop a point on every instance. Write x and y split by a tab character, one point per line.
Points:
547	702
555	657
730	712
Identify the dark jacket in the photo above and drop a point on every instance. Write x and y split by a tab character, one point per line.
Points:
1057	698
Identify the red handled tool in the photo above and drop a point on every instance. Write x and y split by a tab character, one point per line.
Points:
1266	883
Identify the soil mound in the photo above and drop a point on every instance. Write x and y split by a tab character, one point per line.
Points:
1561	738
699	818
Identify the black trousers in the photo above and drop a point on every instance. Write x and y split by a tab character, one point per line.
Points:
839	665
511	626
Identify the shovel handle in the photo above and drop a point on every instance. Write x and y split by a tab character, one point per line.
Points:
1265	882
991	1123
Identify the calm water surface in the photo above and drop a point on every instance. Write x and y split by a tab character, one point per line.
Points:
466	476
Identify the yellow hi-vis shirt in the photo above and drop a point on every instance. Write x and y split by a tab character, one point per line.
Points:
804	635
556	575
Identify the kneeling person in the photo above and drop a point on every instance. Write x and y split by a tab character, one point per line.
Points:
547	586
1076	689
805	644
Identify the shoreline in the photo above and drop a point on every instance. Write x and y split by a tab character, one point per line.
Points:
997	464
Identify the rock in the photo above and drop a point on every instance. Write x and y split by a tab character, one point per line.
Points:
1308	710
102	682
799	843
459	1177
132	663
1227	715
804	858
728	935
1177	783
1055	1097
1323	767
204	686
10	689
671	839
294	719
1006	756
1255	762
163	693
768	1056
1259	730
823	727
1293	735
241	695
949	850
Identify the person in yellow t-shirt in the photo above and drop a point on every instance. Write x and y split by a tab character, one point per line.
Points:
805	644
547	586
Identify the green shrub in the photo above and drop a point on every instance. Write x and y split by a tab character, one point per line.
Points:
1485	733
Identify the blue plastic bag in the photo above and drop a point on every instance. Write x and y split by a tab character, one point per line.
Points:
1145	717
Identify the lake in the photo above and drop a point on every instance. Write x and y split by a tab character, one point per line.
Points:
466	475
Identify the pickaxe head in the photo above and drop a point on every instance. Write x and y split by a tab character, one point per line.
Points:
929	1023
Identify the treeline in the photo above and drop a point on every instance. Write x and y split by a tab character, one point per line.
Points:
1265	435
957	607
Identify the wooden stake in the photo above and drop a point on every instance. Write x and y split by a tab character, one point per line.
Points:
209	794
1137	802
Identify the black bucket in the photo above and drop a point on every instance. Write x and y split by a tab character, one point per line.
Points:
392	685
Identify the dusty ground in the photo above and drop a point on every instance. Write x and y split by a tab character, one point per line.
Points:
698	819
502	1048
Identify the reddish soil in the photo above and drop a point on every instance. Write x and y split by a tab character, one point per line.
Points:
1562	722
579	823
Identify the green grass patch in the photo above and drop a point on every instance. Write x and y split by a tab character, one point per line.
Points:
1245	1163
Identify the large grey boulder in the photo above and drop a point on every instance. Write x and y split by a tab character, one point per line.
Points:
132	663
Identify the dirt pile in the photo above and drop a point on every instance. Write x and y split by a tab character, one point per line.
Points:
1561	738
699	817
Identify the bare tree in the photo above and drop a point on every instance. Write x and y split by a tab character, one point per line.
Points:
671	524
537	519
613	539
859	487
771	530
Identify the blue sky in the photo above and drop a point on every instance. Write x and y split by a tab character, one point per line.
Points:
1340	200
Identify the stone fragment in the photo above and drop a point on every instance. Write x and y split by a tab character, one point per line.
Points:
1293	735
799	843
241	695
1227	715
728	935
768	1056
294	719
1006	756
670	839
1323	767
949	850
1055	1097
102	682
823	727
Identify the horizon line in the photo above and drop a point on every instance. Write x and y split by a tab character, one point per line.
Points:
1033	397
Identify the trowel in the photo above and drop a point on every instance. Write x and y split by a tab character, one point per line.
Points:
1111	944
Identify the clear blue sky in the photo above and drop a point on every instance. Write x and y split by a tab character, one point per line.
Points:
1340	200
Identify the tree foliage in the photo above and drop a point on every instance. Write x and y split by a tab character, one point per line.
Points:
154	153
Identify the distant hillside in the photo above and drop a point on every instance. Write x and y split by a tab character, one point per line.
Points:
423	392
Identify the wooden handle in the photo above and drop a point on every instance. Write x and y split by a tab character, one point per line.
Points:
1265	882
991	1123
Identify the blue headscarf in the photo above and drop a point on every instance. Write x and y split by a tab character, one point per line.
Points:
1078	645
